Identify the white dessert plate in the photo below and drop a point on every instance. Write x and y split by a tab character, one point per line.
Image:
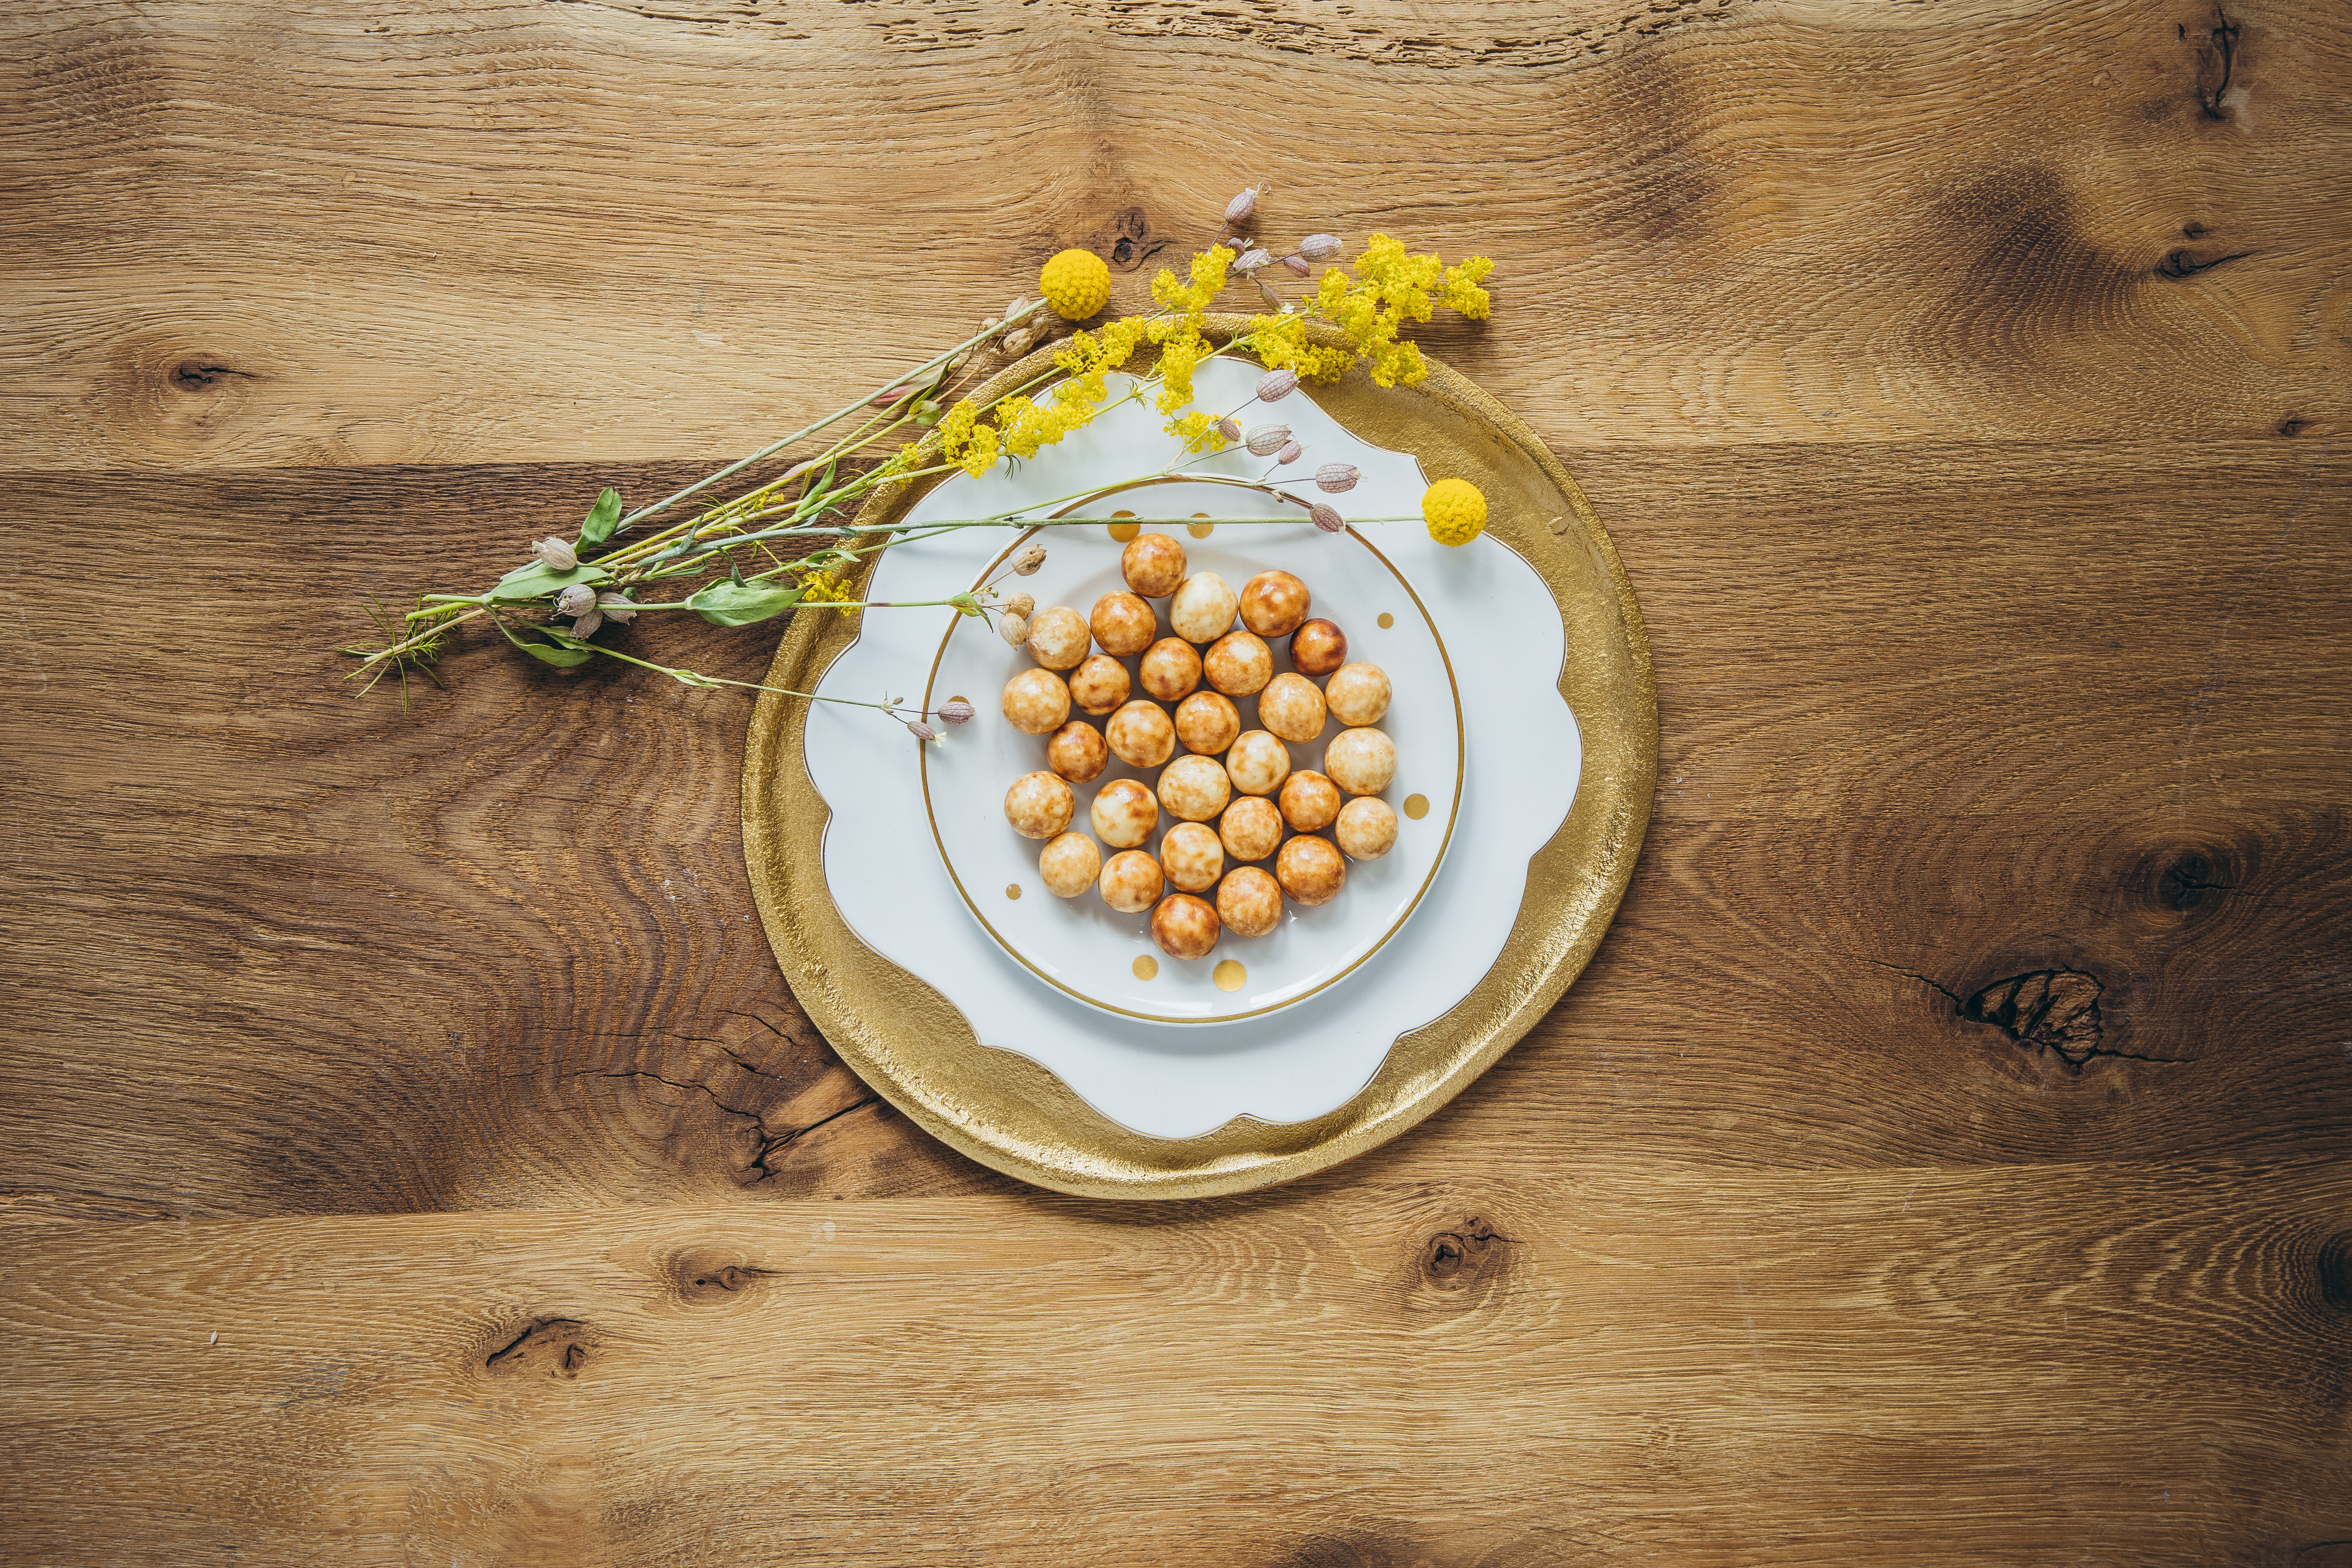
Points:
1081	945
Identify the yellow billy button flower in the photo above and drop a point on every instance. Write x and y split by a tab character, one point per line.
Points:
1076	283
1454	510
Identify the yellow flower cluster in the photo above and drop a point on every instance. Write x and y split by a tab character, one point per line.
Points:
1076	283
1455	512
1391	287
1181	346
826	588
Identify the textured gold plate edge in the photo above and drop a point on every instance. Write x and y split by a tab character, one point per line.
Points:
916	1050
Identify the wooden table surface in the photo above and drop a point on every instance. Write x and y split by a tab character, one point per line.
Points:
412	1157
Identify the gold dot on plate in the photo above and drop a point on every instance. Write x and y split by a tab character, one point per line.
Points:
1011	889
1386	620
1146	967
1229	976
1199	530
1416	806
1123	532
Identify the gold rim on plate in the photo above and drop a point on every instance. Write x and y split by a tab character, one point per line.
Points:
1453	812
913	1046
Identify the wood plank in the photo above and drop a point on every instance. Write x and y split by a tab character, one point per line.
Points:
506	233
500	954
2086	1362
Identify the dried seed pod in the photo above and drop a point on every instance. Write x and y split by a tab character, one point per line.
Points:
1251	259
576	600
1276	384
1017	342
1028	561
617	606
555	554
1014	629
1319	246
921	731
1265	440
1327	518
1238	210
1022	604
956	711
1336	479
1297	264
1291	452
1230	428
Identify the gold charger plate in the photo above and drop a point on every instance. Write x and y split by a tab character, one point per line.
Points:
907	1041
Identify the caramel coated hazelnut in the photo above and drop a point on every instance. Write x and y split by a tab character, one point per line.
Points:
1309	802
1123	624
1318	648
1194	788
1039	805
1367	828
1238	663
1203	609
1099	685
1186	926
1191	858
1076	751
1357	693
1273	604
1310	870
1361	762
1171	669
1207	722
1059	638
1036	701
1292	707
1068	865
1153	564
1124	813
1257	763
1140	735
1251	830
1249	901
1130	881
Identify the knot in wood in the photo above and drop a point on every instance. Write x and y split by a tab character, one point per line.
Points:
1463	1257
552	1347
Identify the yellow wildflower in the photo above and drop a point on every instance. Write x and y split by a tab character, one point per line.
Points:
1076	283
1461	292
826	588
1208	272
1454	510
1199	431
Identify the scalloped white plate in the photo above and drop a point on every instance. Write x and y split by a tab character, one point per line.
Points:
1502	633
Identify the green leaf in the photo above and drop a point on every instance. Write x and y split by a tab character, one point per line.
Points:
538	581
742	603
561	658
603	518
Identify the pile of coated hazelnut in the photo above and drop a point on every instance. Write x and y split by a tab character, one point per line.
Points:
1232	793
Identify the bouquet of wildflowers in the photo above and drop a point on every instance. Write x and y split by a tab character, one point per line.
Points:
789	543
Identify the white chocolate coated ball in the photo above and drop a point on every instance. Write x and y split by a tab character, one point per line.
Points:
1192	858
1251	830
1130	881
1357	693
1184	926
1124	813
1069	865
1367	828
1249	901
1059	638
1140	734
1292	707
1039	805
1309	802
1123	623
1036	701
1310	870
1203	609
1170	668
1257	763
1273	604
1099	685
1238	663
1152	563
1076	751
1194	788
1361	762
1207	722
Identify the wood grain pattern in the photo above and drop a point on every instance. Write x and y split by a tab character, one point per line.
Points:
1943	1158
